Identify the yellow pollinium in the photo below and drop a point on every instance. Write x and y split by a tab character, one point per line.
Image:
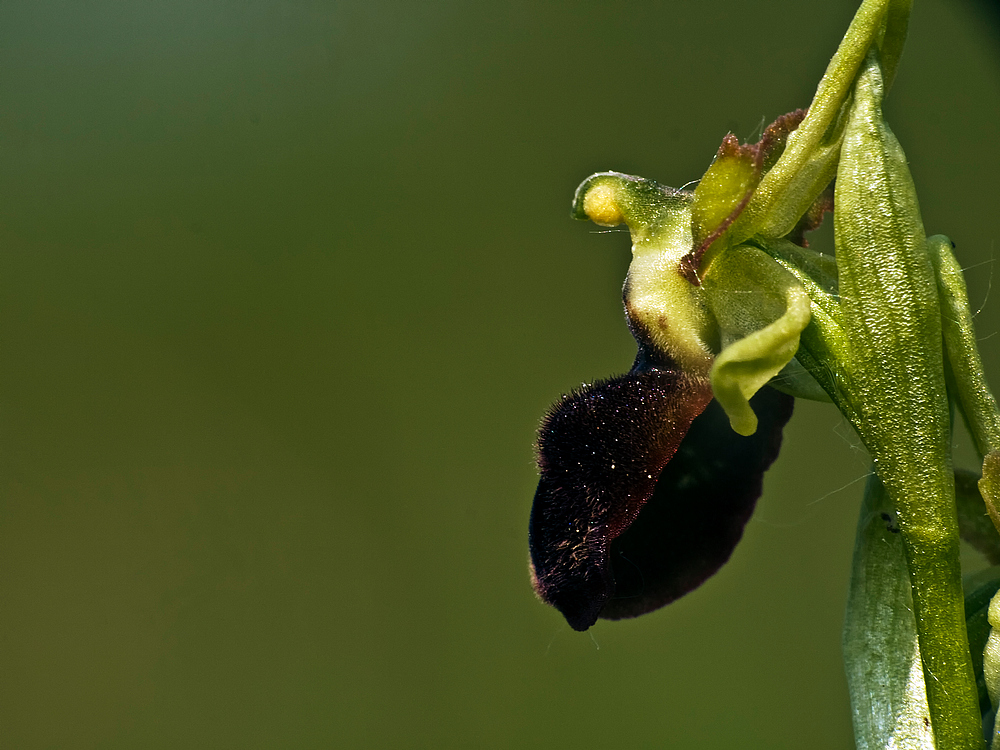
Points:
600	206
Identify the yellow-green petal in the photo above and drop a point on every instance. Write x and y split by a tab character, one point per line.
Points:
761	310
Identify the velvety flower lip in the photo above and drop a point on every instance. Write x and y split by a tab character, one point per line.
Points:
703	499
600	452
613	533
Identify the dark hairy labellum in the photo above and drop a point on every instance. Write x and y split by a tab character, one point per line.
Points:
641	499
704	497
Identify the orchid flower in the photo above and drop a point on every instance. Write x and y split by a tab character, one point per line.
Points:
647	479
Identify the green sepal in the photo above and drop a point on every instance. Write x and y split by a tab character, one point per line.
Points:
812	268
760	309
809	160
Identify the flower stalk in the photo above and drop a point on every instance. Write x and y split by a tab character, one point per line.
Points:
893	325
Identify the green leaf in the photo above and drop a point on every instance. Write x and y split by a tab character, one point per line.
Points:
881	651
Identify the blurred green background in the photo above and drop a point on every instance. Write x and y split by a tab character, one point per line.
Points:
284	290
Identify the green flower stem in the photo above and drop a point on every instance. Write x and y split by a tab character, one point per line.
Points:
890	302
825	354
881	653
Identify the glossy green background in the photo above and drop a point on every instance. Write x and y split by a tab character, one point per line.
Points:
284	290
